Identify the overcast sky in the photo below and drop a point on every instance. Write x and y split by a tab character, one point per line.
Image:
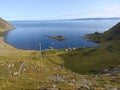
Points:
58	9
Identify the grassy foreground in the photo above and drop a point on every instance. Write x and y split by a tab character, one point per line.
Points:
93	60
21	70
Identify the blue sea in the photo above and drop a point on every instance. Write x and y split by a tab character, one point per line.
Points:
28	34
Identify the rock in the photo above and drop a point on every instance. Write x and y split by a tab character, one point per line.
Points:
84	87
111	71
113	89
49	88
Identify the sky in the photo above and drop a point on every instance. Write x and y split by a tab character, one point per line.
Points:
58	9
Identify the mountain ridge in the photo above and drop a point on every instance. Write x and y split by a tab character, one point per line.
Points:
98	18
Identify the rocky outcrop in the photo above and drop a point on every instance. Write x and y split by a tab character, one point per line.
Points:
111	71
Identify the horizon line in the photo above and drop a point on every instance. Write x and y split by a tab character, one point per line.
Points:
84	18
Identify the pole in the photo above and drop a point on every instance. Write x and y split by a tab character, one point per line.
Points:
63	63
40	56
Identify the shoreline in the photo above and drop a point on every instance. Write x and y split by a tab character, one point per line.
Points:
8	49
2	38
72	48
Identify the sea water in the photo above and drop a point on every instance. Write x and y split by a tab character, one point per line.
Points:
28	34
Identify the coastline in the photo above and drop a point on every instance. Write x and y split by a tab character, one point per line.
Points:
9	50
2	33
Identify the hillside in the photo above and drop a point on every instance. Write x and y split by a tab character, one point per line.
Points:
5	26
93	60
113	33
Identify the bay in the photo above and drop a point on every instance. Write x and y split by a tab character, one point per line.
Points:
28	34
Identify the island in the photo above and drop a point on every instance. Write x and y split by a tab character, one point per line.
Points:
59	38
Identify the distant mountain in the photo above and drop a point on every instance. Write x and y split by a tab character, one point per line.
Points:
4	25
111	18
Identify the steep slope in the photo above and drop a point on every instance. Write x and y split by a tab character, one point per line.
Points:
113	33
5	26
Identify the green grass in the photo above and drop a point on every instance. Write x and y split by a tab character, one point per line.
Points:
34	78
1	27
92	60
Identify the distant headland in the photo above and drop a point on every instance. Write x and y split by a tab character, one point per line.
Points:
5	26
97	18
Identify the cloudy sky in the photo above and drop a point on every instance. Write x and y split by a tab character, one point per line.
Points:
58	9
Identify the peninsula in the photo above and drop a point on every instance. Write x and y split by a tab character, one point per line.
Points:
93	60
5	26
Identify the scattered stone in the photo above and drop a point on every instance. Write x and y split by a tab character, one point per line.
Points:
9	65
16	73
113	89
111	71
50	88
85	81
84	87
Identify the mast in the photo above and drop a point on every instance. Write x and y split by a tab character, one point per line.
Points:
40	56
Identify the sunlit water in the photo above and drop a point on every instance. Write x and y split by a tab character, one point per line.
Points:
28	34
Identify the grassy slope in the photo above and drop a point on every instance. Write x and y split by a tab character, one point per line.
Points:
5	26
92	60
33	77
113	33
